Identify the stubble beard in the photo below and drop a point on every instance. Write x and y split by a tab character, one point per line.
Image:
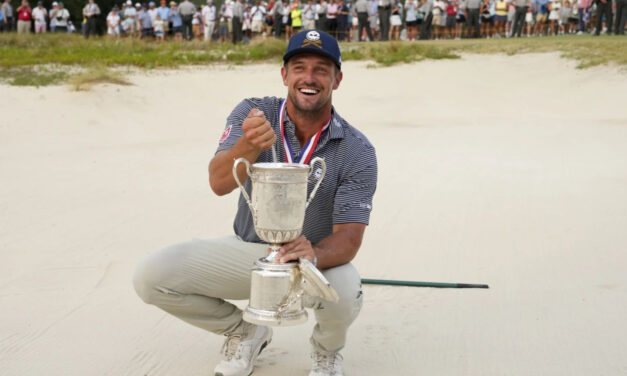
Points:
309	112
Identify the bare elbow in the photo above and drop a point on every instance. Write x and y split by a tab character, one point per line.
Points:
218	188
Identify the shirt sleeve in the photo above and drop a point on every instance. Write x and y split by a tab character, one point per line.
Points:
233	129
353	198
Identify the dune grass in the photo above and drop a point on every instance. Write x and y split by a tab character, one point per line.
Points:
32	76
96	75
22	56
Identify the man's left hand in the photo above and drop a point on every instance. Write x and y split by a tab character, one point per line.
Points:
301	247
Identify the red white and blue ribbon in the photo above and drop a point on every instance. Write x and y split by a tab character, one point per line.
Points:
308	148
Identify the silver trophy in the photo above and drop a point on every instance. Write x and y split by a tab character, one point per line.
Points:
279	201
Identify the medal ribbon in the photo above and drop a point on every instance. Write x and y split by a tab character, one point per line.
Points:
308	148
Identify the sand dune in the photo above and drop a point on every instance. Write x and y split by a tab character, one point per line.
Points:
510	171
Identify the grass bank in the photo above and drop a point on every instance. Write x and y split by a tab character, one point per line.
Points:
40	60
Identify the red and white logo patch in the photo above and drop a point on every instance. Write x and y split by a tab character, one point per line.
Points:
225	134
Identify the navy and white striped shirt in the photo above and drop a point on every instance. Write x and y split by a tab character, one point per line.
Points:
345	195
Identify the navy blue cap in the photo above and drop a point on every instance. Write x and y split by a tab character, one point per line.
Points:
314	42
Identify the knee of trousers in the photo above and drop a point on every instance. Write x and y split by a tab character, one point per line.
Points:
346	281
154	271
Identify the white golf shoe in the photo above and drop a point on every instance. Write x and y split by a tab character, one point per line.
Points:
326	363
241	349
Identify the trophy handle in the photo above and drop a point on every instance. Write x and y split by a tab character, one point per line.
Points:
324	171
239	184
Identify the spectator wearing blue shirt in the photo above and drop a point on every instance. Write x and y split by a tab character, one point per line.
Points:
145	22
1	21
541	8
177	21
164	12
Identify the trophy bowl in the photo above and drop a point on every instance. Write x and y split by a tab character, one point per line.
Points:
279	198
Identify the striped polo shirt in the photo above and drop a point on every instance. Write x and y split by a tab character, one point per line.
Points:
345	195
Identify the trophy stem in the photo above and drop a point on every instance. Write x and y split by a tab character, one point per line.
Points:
274	247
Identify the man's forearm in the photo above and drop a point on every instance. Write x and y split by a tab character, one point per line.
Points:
221	177
340	247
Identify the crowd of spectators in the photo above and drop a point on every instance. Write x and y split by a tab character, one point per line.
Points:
361	20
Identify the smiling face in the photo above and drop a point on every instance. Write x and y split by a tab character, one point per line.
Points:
310	81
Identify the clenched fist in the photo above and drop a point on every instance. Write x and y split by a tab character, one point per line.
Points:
258	132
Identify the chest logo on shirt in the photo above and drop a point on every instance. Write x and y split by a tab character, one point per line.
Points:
318	173
225	134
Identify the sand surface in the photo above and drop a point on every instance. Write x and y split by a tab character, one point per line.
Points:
510	171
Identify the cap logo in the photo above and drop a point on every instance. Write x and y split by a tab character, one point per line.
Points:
312	38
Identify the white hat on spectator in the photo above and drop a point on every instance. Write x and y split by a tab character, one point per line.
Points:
129	2
54	4
137	5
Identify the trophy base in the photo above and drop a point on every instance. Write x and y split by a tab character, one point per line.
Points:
272	318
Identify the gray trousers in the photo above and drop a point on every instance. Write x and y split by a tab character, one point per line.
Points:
191	281
472	18
519	21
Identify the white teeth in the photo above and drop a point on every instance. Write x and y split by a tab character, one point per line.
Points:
308	91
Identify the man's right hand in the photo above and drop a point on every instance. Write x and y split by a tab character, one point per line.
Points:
257	136
257	131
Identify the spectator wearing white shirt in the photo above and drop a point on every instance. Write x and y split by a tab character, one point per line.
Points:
209	19
309	15
258	14
61	16
226	11
39	16
152	12
113	22
53	21
438	9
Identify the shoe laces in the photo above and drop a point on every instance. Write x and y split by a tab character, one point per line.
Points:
327	362
230	347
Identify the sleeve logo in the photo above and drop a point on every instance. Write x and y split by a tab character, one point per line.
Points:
225	134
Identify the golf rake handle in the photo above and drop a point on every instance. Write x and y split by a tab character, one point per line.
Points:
389	282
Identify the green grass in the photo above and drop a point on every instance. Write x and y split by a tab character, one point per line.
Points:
21	56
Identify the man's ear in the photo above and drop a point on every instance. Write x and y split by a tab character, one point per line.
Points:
338	79
284	75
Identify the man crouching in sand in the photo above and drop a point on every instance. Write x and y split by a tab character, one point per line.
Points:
190	280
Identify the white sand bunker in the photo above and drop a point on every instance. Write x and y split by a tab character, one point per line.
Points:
510	171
